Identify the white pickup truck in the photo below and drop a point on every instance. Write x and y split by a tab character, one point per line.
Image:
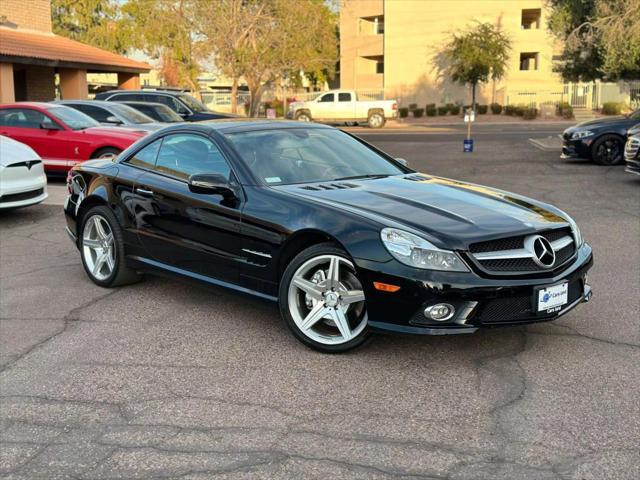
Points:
339	106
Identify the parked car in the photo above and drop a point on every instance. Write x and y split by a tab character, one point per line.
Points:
157	111
22	178
601	140
189	108
61	135
632	150
343	237
114	114
343	106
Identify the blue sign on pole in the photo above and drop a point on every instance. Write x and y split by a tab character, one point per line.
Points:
468	145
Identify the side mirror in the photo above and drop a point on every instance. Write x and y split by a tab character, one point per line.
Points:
402	161
49	126
211	184
113	119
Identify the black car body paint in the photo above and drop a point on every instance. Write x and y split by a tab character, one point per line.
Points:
246	244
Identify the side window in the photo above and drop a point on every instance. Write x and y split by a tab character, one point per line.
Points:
126	97
146	157
344	97
183	155
23	118
97	113
328	97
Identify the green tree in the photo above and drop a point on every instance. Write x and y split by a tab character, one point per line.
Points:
95	22
165	30
601	38
475	56
266	41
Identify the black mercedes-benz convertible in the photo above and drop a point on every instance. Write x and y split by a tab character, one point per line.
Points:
346	239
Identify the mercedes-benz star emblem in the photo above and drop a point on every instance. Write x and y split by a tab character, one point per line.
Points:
543	253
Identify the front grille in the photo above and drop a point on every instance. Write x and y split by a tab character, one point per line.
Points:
16	197
632	148
520	265
633	166
519	308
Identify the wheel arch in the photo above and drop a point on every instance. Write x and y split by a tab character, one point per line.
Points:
103	147
300	241
371	111
302	110
87	204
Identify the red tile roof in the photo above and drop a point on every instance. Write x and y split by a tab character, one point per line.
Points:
63	51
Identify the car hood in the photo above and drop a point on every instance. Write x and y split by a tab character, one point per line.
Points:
601	122
125	133
15	152
449	213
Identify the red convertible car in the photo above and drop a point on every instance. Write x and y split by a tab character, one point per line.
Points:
61	135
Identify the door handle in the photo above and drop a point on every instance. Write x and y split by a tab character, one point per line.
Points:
144	192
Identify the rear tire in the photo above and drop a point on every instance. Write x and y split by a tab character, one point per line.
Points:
376	120
608	150
322	300
102	249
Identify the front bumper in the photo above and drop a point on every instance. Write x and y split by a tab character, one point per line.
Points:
479	302
577	148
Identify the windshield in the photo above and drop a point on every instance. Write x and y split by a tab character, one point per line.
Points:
304	155
130	114
73	118
192	103
635	115
157	111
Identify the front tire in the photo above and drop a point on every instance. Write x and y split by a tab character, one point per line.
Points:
102	249
322	300
303	117
608	150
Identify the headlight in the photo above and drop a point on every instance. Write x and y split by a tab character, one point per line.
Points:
416	252
582	134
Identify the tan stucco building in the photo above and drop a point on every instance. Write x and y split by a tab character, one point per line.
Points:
393	44
31	56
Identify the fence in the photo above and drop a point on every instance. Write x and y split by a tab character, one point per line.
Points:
588	96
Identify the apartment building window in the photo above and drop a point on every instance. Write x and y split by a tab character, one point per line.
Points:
531	19
380	66
529	61
372	25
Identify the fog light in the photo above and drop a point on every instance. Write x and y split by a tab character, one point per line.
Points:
440	312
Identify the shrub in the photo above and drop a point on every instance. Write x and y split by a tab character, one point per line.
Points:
403	112
564	110
496	108
450	107
443	110
529	113
482	109
418	112
412	106
431	110
430	105
454	109
612	108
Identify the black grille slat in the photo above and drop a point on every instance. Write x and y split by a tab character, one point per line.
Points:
518	308
519	265
16	197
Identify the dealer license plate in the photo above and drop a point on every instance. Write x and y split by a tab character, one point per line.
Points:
551	299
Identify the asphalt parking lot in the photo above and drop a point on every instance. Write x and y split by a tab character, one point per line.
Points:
173	380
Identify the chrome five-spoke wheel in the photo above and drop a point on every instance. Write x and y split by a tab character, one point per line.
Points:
326	300
98	247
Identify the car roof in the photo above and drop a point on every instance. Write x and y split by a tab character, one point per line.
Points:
152	92
236	125
102	103
36	105
152	104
